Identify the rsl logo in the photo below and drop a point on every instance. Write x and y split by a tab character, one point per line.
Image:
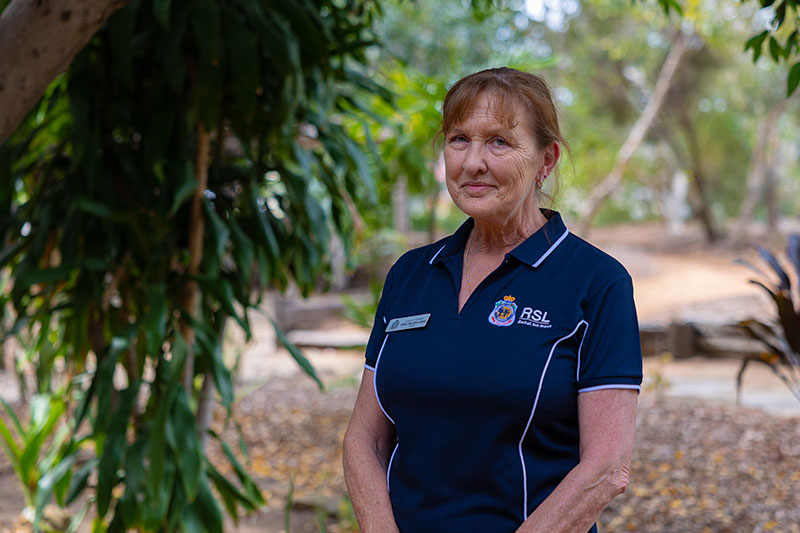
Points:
534	317
504	312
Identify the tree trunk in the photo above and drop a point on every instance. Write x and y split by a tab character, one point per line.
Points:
38	39
400	205
702	204
637	134
205	403
771	199
759	165
196	232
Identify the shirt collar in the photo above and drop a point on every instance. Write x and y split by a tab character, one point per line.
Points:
532	251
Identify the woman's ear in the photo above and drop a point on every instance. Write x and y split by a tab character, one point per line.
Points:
551	155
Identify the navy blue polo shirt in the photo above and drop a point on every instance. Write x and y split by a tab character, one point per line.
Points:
485	401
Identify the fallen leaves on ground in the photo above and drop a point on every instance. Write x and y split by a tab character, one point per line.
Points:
697	466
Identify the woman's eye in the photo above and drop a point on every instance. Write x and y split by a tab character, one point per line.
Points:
458	139
499	141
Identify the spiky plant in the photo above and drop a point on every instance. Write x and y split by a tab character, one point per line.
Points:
780	335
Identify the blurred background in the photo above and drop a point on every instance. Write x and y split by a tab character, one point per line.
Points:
199	202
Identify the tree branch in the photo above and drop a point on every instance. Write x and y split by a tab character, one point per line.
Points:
196	232
38	40
638	132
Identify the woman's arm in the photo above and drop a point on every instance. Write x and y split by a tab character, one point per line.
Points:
607	420
366	449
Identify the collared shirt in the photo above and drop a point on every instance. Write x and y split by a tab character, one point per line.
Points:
484	400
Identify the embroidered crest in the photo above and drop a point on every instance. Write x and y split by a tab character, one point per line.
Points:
504	312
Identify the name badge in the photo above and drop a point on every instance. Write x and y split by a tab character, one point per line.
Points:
408	322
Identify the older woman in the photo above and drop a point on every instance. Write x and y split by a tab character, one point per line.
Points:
503	369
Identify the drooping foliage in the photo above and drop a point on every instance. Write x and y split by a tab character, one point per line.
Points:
219	120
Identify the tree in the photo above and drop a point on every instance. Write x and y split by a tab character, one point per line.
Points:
192	155
38	41
781	36
638	132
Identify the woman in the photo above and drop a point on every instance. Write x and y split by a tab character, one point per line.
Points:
503	369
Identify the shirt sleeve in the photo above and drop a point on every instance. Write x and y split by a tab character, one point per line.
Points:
610	356
376	337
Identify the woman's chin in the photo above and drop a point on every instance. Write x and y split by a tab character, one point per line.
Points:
482	210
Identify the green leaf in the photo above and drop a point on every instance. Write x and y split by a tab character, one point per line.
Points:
14	419
182	436
222	376
80	480
204	511
77	519
185	190
243	57
265	231
173	61
296	354
45	413
242	251
161	11
159	133
131	504
121	28
44	488
222	290
155	322
204	19
775	49
116	442
10	252
94	207
157	480
251	489
756	43
219	233
231	496
104	376
11	448
793	81
46	275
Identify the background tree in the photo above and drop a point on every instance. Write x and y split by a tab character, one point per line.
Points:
192	155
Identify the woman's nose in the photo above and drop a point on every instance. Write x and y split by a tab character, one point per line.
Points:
475	159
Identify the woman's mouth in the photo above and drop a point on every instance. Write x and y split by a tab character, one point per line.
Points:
476	186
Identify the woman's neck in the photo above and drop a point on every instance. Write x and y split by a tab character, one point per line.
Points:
491	237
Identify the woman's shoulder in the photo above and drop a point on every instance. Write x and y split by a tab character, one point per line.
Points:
422	255
594	264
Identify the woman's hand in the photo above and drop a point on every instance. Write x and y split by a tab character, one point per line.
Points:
366	449
607	420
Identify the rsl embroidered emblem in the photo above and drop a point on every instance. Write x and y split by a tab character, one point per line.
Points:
504	312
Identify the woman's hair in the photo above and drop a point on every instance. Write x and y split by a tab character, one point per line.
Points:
510	88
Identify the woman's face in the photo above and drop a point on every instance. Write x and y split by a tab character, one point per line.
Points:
491	168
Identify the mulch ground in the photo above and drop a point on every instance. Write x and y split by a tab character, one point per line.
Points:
698	465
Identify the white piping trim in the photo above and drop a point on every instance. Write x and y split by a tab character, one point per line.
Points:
530	418
366	365
553	247
580	346
436	254
389	468
615	386
375	379
384	319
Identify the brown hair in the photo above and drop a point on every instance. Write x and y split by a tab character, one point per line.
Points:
511	88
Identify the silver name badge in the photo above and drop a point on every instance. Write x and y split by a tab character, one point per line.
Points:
408	322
